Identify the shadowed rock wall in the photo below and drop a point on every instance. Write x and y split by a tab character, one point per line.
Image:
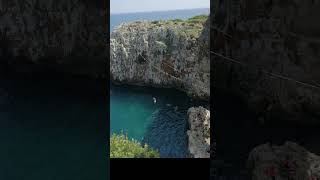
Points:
280	37
68	35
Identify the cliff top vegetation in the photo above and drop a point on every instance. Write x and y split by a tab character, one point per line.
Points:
191	27
122	147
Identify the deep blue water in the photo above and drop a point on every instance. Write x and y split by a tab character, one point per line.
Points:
117	19
162	125
52	128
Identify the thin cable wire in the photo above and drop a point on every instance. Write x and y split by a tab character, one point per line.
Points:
266	72
221	31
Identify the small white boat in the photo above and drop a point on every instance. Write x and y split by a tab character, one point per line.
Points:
154	100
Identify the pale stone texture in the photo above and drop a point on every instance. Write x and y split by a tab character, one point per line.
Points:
199	132
162	54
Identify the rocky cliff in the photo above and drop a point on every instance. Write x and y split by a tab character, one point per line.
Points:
199	132
289	161
171	53
67	35
272	50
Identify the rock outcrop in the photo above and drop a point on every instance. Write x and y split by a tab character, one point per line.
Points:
68	35
168	54
276	44
199	132
289	161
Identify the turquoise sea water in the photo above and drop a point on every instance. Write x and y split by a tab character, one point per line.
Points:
131	111
52	128
162	125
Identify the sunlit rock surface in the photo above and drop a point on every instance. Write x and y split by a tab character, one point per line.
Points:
162	54
199	132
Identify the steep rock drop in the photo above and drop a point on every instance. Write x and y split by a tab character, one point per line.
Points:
162	54
166	54
266	54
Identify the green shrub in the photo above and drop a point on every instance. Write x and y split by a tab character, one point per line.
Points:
193	33
155	22
176	20
122	147
198	19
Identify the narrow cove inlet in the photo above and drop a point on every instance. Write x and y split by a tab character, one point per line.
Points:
157	117
168	50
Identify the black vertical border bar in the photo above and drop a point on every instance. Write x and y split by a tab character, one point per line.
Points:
107	36
211	78
212	132
212	106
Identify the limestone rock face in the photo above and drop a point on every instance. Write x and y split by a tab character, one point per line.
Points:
287	161
199	133
162	54
281	37
67	34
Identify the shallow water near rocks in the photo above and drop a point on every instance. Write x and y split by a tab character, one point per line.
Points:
52	128
162	125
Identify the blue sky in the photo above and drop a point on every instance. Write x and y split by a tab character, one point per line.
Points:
125	6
